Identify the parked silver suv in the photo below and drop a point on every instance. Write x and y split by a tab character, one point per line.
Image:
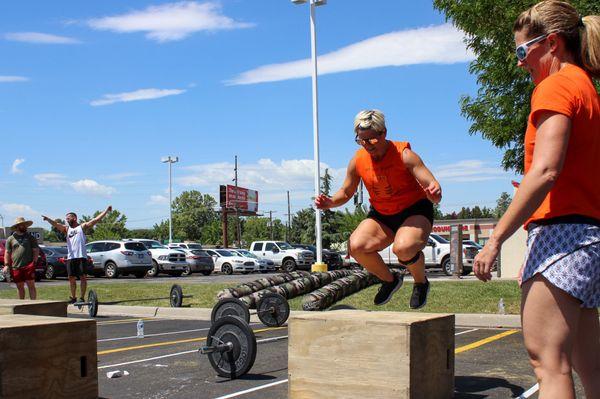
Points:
118	258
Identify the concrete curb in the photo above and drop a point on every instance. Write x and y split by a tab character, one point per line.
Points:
476	320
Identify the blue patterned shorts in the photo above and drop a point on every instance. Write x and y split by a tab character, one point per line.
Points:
567	255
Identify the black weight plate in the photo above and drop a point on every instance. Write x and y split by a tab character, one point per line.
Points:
273	310
230	307
237	362
176	296
342	307
92	303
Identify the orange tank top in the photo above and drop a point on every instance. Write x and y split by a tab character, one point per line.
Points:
570	92
392	188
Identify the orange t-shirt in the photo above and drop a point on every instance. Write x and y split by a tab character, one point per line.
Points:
392	188
570	92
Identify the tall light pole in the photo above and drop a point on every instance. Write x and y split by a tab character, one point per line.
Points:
170	160
2	218
319	266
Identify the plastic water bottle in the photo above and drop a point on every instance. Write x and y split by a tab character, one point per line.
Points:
140	328
501	308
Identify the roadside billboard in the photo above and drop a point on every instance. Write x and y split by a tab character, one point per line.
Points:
232	197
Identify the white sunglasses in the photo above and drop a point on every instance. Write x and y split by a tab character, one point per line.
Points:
523	50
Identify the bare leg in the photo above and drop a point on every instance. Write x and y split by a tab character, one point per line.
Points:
410	239
586	352
366	241
73	286
21	290
550	318
83	285
31	289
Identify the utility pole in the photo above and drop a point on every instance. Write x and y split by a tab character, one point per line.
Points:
170	160
237	208
289	215
271	223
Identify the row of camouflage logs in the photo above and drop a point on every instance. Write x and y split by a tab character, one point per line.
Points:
320	290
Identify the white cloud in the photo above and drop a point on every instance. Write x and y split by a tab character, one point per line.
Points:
158	200
92	187
470	171
269	178
441	44
39	38
169	22
138	95
83	186
11	211
15	166
12	79
51	179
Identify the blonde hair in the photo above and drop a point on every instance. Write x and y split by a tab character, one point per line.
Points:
369	119
582	35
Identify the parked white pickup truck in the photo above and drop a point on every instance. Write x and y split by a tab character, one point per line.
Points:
283	255
437	255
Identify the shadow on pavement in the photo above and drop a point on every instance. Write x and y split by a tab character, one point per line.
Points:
468	387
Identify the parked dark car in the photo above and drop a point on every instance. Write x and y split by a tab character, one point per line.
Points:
333	259
57	262
40	266
198	261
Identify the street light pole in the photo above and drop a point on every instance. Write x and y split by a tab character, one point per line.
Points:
319	265
170	160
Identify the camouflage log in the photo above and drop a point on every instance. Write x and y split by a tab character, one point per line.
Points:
337	290
260	284
296	287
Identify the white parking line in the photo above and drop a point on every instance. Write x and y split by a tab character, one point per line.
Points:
260	341
465	332
529	392
240	393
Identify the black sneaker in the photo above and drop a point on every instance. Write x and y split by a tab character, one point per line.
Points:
81	300
72	300
418	299
387	290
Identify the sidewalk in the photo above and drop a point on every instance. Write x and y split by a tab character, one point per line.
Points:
478	320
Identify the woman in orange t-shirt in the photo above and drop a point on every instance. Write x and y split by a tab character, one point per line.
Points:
558	199
401	191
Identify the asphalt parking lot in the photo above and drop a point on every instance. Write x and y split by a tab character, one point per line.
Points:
490	363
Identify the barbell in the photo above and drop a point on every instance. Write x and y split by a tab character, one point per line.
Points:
231	345
175	300
273	310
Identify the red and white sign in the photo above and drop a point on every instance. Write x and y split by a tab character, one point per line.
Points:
445	228
242	199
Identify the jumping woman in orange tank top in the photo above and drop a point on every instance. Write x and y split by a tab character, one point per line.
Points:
402	192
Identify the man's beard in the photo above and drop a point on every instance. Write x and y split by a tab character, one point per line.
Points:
73	223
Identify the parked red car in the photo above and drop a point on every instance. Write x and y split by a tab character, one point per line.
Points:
40	266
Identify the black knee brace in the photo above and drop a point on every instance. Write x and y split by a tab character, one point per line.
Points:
412	260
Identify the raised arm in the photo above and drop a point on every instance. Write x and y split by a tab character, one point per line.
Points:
60	227
423	175
95	220
344	194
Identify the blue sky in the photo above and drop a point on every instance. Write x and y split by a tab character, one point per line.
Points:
93	94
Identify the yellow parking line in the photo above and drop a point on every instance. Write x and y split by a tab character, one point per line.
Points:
484	341
181	341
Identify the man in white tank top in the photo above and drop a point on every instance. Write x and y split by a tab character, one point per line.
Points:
76	253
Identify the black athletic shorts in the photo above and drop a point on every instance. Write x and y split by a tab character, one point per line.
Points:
422	207
76	267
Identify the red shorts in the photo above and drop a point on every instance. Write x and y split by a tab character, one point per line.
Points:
23	274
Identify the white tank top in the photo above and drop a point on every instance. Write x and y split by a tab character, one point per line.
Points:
76	243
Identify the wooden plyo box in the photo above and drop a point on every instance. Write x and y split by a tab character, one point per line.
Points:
33	307
359	354
47	357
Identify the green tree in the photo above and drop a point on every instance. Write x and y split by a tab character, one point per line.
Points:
303	226
502	204
500	109
192	212
160	231
55	235
111	227
349	221
143	233
256	229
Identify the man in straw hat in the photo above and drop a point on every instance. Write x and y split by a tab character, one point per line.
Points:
76	251
22	252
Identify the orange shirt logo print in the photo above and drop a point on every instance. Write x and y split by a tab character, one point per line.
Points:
382	186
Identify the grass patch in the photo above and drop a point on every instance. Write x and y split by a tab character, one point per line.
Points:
444	296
